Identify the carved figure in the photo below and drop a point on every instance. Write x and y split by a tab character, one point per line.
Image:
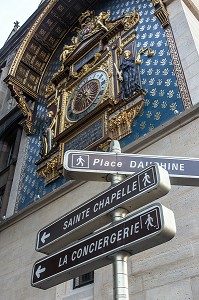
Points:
16	25
101	20
128	72
23	105
131	19
47	134
50	88
66	51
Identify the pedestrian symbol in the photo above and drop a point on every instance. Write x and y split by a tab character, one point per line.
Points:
80	161
146	179
149	222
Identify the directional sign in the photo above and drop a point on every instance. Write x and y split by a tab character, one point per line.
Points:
145	229
95	166
132	193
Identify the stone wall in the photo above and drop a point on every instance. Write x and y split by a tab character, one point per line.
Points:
169	271
182	23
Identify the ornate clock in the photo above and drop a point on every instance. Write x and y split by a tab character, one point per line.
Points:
86	95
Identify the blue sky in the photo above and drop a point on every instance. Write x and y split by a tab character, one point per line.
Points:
12	10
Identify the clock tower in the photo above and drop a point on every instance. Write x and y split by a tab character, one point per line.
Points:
96	93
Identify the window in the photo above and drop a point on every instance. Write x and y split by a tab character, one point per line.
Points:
1	68
84	279
2	190
9	148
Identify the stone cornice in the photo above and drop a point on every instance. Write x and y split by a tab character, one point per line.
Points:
189	3
45	200
193	8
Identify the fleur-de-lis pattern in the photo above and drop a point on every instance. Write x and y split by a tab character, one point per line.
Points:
158	79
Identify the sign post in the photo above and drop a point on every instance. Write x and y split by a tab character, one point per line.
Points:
127	235
96	166
120	259
132	193
142	230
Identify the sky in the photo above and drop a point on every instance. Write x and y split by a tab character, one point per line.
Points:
14	10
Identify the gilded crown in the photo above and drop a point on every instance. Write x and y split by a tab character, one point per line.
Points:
85	15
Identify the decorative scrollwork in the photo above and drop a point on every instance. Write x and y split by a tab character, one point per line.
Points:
50	89
17	93
161	13
131	19
50	171
155	2
120	124
184	91
87	67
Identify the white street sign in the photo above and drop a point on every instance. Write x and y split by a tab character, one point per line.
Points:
96	166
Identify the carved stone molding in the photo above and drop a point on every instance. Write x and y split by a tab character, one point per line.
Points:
22	103
163	16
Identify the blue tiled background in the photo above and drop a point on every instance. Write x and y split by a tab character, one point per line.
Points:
162	100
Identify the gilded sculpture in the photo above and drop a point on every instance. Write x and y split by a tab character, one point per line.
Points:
131	19
23	105
101	20
67	49
47	134
120	124
148	51
73	106
50	88
127	75
90	24
87	26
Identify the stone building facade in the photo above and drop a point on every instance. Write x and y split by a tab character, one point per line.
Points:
63	87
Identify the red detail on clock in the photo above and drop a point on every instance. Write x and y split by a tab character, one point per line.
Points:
86	96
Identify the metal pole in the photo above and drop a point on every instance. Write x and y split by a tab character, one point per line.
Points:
120	272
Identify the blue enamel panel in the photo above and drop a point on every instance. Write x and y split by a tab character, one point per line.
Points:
162	100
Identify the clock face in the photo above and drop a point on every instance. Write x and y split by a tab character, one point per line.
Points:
87	95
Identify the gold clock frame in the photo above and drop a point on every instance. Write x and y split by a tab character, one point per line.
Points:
100	50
